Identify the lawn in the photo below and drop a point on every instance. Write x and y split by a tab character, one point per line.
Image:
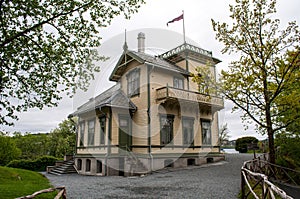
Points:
19	182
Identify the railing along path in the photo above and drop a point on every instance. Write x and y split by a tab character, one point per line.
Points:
259	176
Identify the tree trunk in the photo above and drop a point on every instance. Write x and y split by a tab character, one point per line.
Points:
271	147
270	135
269	125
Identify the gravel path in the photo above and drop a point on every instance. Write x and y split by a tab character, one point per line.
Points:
217	180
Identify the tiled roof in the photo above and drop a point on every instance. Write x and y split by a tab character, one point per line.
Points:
112	97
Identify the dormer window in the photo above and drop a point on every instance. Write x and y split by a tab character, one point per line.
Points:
133	82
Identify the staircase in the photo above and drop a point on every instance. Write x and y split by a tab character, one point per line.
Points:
135	165
66	168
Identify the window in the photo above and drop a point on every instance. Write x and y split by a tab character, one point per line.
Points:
206	132
178	83
188	131
204	88
81	136
133	80
79	164
88	165
169	163
125	134
99	166
102	130
166	129
191	162
91	132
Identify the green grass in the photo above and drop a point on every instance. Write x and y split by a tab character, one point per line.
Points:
19	182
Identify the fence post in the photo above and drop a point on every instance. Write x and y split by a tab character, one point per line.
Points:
242	185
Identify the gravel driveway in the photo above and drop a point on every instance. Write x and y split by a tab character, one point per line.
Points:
216	180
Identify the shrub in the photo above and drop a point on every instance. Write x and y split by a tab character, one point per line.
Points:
38	164
241	144
8	150
288	148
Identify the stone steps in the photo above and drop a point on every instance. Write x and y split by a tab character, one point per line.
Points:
66	168
136	165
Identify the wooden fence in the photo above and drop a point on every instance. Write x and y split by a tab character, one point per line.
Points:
258	177
61	193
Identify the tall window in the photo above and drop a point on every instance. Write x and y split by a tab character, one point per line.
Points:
125	133
81	134
88	165
206	132
102	130
99	166
188	130
91	132
178	83
79	164
133	80
166	129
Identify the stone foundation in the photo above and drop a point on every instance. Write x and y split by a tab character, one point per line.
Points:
128	166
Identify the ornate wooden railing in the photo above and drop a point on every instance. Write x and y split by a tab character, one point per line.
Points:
258	178
184	47
175	93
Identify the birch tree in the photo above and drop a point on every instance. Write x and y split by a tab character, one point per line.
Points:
264	70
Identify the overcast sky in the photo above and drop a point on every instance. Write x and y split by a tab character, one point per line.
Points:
152	19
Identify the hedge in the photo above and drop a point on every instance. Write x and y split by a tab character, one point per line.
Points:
38	164
241	144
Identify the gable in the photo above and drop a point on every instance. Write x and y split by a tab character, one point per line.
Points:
121	66
142	58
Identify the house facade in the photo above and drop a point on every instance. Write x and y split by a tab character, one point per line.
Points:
154	117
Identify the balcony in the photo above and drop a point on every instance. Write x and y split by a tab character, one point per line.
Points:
168	93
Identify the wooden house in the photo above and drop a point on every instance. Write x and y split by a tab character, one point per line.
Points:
154	117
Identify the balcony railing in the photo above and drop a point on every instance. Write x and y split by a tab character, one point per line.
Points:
168	92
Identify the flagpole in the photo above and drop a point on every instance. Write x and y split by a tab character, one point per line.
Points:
184	43
183	27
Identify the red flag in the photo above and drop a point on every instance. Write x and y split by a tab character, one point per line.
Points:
176	19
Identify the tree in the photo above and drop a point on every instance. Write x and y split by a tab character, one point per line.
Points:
49	47
264	70
63	139
32	146
59	142
242	144
204	78
288	150
223	134
8	149
289	104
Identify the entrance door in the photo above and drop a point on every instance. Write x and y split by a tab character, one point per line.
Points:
125	138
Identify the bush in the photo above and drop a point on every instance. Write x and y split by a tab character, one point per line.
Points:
38	164
241	144
8	150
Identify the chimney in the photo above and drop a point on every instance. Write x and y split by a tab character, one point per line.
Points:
141	42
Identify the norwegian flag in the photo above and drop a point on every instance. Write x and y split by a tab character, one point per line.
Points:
176	19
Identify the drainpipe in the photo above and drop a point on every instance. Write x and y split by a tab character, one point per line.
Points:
108	141
187	69
76	132
149	70
106	155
